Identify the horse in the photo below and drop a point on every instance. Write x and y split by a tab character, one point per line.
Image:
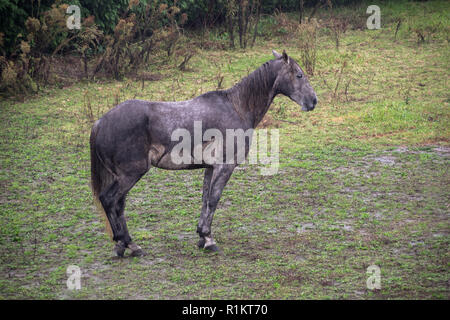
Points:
136	135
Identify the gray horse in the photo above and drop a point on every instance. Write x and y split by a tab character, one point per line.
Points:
136	135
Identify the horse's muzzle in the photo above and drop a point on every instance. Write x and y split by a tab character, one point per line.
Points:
310	105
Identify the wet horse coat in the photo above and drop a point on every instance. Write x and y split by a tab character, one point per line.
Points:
136	135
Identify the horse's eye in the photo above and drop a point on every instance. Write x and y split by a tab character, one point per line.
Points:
299	76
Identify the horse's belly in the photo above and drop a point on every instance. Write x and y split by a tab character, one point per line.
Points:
159	158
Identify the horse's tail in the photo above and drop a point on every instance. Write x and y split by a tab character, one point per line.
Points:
101	177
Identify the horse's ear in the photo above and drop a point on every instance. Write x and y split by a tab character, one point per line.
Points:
276	54
285	57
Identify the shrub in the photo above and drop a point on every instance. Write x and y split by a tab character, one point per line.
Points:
136	35
27	63
308	33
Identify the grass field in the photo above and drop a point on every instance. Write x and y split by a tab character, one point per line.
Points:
363	180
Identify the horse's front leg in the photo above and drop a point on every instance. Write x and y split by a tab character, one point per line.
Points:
218	179
206	186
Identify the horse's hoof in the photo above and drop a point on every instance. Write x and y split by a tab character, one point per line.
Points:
119	249
138	253
212	248
201	243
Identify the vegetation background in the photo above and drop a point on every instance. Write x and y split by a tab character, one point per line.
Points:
363	179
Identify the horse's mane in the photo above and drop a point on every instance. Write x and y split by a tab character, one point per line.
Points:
250	95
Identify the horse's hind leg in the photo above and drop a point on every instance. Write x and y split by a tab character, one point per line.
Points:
135	249
113	201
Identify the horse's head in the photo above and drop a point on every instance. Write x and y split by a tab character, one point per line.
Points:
292	82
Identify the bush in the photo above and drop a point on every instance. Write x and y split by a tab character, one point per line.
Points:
136	35
308	33
106	12
27	64
14	14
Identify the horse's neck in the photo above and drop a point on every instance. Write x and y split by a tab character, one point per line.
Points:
253	95
262	108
